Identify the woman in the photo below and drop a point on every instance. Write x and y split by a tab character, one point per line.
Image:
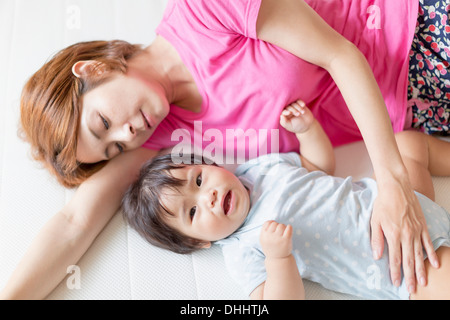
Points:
211	59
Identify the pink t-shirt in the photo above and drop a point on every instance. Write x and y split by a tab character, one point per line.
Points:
245	82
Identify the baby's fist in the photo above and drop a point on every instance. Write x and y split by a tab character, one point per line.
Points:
276	239
296	117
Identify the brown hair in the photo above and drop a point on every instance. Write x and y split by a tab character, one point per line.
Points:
50	105
142	208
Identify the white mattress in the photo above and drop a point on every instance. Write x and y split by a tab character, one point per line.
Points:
119	265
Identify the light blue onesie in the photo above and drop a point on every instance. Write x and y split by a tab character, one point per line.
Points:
331	223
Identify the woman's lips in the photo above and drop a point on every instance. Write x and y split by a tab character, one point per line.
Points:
146	120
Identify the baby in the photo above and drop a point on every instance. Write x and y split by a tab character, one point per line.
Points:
280	218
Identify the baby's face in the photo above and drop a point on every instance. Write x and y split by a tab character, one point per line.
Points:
210	206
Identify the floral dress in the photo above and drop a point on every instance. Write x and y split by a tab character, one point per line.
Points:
429	74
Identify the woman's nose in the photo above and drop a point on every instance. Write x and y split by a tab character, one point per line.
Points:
128	132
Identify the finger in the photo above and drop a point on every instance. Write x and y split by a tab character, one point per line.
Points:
284	120
288	113
272	226
288	231
267	224
408	264
301	103
395	262
377	240
429	249
280	229
299	107
292	108
419	263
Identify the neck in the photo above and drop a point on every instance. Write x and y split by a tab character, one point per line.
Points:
161	63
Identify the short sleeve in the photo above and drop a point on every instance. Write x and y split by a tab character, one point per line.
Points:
237	16
245	265
263	164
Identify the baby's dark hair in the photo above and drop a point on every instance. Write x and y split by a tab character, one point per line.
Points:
142	208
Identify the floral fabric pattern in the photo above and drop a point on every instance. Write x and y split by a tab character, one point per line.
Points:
429	68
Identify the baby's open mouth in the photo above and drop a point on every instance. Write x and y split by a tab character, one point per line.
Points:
227	203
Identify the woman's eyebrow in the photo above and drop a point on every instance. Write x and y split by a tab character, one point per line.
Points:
94	133
107	154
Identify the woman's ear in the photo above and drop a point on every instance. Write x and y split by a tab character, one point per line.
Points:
87	67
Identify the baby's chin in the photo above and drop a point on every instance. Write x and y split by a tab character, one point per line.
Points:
243	213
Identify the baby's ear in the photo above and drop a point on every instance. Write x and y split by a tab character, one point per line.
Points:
206	245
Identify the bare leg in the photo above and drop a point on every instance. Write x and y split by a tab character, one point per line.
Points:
439	153
438	287
424	156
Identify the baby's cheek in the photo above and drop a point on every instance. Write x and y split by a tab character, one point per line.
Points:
221	230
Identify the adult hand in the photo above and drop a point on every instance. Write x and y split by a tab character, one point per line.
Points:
397	215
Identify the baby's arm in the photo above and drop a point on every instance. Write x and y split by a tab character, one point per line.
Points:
283	280
315	147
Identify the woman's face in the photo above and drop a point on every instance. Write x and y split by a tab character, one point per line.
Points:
117	116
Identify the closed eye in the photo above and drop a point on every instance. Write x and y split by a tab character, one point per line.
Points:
105	122
119	147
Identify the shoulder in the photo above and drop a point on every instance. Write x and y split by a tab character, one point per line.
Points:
237	16
122	169
269	161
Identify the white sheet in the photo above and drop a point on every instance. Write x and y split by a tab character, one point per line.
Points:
119	265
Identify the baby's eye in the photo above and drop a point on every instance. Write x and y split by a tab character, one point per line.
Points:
199	180
192	212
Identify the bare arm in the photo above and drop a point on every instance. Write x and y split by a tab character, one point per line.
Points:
316	150
283	280
67	235
294	26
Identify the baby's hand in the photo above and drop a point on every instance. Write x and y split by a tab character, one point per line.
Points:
276	240
296	117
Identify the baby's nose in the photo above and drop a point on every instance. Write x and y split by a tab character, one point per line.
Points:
212	198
